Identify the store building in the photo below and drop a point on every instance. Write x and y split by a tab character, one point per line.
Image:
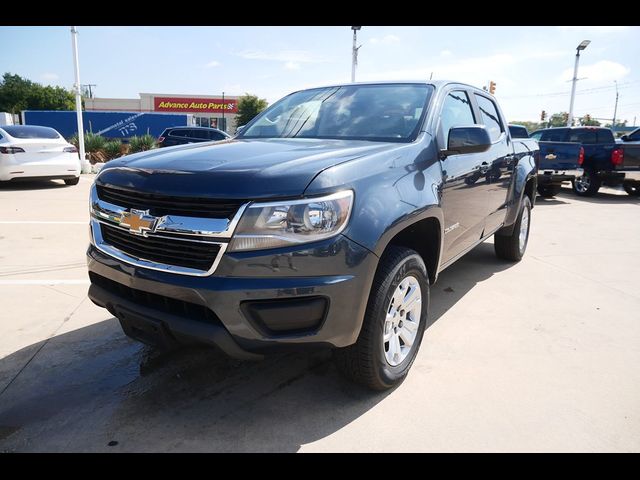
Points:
217	111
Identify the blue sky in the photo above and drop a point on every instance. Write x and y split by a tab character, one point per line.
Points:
531	65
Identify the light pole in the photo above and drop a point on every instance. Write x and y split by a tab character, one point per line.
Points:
76	87
582	46
615	109
354	54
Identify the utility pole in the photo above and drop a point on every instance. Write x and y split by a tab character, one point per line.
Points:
89	85
224	107
76	87
580	47
615	110
354	53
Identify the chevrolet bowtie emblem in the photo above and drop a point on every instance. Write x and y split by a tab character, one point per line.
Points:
139	222
551	156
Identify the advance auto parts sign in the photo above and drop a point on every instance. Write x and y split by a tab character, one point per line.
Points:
188	105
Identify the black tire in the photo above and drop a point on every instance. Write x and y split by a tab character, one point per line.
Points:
365	361
508	247
72	181
588	184
548	191
632	189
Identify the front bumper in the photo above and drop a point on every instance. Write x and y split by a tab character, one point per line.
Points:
332	277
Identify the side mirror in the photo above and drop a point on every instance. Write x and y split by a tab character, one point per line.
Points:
463	140
624	138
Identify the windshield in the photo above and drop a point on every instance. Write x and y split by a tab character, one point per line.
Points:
387	112
29	131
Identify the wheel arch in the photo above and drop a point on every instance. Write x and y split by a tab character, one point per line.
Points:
422	233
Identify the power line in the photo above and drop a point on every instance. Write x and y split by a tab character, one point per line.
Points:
579	92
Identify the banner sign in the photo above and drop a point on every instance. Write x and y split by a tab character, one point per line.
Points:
189	105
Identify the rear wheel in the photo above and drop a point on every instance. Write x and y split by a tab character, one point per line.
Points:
72	181
632	189
587	184
512	247
393	325
548	190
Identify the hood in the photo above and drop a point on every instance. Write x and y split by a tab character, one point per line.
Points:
247	169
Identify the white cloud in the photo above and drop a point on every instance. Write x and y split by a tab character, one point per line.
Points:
292	66
595	28
285	56
213	63
473	70
386	40
49	77
602	71
446	53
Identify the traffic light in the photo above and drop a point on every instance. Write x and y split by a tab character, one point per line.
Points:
492	87
543	116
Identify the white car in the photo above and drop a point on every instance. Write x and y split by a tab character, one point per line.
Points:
33	152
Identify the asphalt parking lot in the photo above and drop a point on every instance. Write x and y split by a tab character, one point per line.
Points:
543	355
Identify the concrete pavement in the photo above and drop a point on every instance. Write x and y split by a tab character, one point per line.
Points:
542	355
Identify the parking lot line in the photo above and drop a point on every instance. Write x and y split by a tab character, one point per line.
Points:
41	222
45	282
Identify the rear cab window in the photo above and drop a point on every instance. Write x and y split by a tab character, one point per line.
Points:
585	136
554	135
605	135
517	131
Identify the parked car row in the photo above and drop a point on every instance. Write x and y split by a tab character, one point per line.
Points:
588	157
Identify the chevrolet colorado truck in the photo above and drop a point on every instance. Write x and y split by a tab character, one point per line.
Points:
557	162
323	223
602	161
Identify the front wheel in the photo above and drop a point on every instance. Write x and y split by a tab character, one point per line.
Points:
548	191
587	184
393	325
512	247
72	181
632	189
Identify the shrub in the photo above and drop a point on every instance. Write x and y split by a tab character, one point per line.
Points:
142	143
93	143
73	140
112	149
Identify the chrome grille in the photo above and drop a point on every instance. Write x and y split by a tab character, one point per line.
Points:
174	242
198	255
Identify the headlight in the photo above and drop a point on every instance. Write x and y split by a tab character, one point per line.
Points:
280	224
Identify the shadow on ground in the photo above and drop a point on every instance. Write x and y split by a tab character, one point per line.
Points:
32	185
83	390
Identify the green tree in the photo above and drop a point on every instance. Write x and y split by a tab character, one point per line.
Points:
618	124
558	119
17	94
589	121
248	107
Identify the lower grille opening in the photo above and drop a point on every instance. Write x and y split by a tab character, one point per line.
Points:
181	253
191	311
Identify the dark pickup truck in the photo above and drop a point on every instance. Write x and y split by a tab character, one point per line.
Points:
323	223
557	162
603	161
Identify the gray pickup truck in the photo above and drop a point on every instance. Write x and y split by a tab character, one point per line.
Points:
324	222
